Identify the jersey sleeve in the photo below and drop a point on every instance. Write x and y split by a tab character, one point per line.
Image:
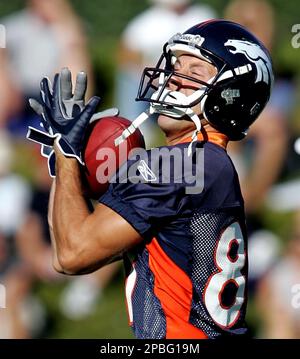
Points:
149	200
146	206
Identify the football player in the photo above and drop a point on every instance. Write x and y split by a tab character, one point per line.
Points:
187	272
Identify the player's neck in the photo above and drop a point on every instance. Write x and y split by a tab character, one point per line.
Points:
175	138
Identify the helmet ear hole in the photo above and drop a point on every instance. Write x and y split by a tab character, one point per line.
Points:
231	108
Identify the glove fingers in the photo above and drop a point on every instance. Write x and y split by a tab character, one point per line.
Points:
58	108
47	120
46	92
90	109
36	106
80	86
66	84
86	114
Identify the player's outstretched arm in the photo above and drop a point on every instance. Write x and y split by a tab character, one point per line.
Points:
85	241
55	261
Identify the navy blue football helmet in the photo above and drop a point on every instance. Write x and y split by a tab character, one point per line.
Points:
234	97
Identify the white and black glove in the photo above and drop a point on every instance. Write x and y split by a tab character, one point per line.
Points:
64	116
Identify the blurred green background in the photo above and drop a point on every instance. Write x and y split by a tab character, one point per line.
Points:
104	21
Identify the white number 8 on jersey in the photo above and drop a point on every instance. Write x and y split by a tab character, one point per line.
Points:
230	260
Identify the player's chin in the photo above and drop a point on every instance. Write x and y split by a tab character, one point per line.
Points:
168	123
162	118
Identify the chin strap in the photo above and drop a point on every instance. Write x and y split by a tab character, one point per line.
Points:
146	114
151	110
197	123
134	125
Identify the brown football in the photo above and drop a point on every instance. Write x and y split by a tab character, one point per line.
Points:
102	158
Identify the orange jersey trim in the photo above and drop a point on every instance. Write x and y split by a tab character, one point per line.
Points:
174	289
214	137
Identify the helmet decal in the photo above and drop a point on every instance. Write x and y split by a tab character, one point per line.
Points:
256	55
188	38
230	94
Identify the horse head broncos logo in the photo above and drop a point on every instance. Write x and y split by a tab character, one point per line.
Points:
256	55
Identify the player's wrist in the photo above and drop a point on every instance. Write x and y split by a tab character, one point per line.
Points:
66	167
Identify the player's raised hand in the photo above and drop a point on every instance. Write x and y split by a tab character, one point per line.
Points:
71	104
64	116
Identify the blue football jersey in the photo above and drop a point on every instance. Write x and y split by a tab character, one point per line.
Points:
188	278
